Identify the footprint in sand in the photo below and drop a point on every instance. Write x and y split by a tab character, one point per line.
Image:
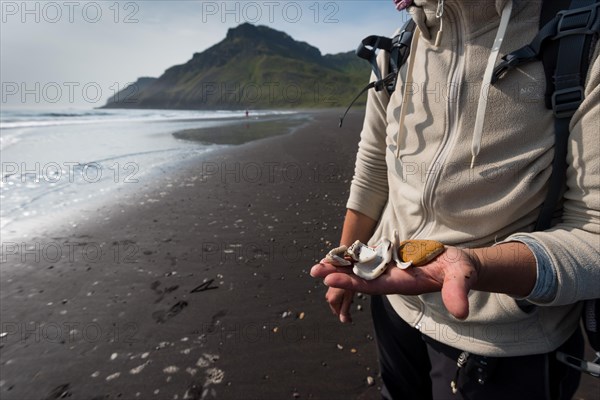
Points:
59	392
162	316
162	292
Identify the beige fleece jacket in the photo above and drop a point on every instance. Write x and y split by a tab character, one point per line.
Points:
431	192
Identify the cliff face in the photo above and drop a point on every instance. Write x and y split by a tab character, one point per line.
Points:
253	67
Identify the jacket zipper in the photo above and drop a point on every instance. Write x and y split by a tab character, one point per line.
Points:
442	154
452	108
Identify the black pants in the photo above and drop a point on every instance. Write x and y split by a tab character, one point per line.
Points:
419	368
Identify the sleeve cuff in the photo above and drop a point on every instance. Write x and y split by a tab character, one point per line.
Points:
366	202
546	285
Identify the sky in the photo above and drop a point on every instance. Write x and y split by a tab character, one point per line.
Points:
76	54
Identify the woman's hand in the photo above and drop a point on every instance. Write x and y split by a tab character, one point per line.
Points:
455	272
339	301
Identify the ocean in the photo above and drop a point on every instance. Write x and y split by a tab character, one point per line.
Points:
59	162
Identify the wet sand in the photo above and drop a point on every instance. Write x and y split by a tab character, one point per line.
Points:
245	130
196	286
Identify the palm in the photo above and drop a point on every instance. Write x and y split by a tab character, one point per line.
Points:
453	273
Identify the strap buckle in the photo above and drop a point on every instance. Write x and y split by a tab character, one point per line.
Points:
566	101
576	21
509	62
589	367
512	60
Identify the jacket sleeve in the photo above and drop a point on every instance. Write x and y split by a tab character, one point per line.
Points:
369	188
572	248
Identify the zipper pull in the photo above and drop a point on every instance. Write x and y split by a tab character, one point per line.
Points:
439	14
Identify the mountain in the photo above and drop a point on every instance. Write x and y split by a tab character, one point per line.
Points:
253	67
130	94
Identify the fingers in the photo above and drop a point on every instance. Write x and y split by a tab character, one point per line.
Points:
324	268
339	301
393	280
455	287
347	282
345	316
455	290
334	299
454	296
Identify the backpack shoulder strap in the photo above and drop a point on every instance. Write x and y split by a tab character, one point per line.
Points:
398	49
564	44
579	21
565	92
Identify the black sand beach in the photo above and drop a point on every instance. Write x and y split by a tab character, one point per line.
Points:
197	286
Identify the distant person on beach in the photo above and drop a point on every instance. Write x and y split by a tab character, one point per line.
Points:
438	161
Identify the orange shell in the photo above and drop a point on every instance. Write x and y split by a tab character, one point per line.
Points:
420	252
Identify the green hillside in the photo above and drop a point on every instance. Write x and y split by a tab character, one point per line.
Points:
253	67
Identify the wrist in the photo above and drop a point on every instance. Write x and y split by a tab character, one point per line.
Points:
476	257
508	268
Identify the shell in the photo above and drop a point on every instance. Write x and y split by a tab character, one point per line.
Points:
420	252
399	263
336	257
361	253
374	268
371	262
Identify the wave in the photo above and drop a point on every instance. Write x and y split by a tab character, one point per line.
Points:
20	120
46	123
66	114
37	198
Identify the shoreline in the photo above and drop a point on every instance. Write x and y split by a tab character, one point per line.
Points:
245	130
202	293
33	187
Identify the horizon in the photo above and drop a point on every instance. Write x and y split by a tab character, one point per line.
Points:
92	49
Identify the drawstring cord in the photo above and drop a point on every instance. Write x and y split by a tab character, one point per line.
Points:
487	79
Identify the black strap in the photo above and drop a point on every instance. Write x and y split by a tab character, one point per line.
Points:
550	54
566	95
579	21
378	85
367	50
400	51
398	48
369	86
562	43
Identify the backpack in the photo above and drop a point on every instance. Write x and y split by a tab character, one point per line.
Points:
569	31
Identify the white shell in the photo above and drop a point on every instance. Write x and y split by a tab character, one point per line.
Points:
372	269
336	257
399	263
361	253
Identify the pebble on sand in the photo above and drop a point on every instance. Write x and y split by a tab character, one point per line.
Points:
113	376
171	369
